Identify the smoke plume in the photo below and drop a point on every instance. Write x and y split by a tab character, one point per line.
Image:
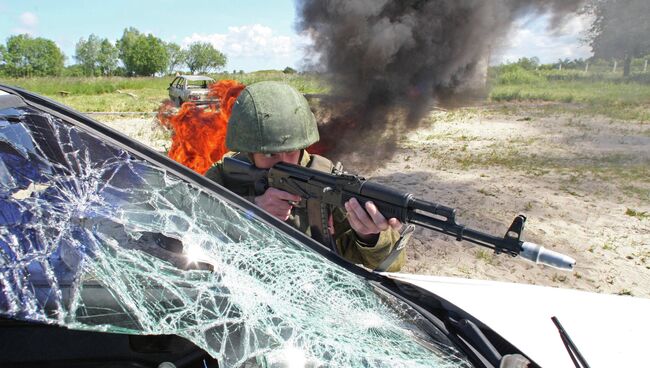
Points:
389	61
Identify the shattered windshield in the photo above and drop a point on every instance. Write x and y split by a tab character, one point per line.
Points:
94	238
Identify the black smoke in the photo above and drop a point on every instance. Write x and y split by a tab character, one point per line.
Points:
389	61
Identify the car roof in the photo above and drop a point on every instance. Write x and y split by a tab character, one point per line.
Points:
196	77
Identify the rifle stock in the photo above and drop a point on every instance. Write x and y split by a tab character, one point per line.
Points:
336	189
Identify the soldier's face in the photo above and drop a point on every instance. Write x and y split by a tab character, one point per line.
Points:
267	160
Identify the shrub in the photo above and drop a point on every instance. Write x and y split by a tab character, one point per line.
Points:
516	74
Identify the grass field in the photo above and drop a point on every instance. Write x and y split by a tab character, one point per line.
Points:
589	93
119	94
575	91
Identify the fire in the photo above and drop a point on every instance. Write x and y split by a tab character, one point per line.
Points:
199	131
321	147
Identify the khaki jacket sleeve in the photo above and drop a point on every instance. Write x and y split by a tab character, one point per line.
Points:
215	173
356	251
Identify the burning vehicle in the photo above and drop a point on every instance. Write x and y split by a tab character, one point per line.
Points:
192	88
114	255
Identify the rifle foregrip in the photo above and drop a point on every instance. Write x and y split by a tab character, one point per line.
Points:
390	202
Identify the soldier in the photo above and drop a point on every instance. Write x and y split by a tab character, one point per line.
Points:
271	122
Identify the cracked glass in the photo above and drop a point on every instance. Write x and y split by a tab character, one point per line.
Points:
94	238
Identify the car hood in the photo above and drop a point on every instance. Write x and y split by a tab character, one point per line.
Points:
608	330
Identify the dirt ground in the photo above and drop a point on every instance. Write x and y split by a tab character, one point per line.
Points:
582	181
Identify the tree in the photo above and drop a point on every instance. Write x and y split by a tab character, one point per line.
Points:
177	56
528	63
202	57
3	52
107	58
27	56
16	52
96	56
75	70
87	53
143	55
620	29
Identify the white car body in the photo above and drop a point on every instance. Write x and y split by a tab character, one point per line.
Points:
608	330
190	88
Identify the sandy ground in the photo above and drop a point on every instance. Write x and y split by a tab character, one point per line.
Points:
144	128
583	182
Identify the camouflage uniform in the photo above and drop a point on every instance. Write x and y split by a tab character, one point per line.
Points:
271	117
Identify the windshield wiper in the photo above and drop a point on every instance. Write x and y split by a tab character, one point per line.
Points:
577	358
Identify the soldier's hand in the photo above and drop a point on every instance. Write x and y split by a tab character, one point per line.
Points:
277	202
368	222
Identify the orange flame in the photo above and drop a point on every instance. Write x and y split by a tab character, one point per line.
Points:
199	131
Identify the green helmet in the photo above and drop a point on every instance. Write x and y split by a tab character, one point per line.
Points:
271	117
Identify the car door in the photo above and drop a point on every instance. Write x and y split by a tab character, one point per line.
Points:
183	92
173	90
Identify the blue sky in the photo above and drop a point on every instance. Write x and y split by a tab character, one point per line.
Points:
253	34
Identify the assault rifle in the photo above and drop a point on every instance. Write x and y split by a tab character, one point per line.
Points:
337	188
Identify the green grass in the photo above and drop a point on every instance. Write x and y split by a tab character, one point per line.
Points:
99	94
81	86
485	256
558	278
577	92
305	83
638	214
605	93
626	101
636	191
146	100
609	245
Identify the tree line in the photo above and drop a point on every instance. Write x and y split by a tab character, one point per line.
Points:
592	64
134	54
620	32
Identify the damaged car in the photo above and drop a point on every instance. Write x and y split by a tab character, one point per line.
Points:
113	255
190	88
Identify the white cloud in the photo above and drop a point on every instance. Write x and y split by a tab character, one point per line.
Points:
528	39
246	41
28	23
28	19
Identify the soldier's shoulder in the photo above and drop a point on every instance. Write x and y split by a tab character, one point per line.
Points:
216	171
318	162
322	163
